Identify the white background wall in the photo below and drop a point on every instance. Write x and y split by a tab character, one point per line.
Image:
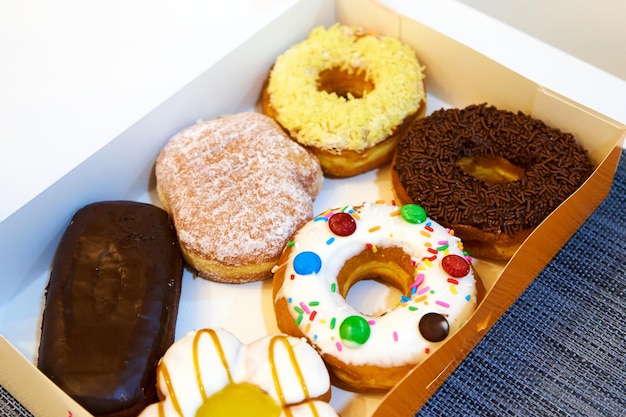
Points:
594	31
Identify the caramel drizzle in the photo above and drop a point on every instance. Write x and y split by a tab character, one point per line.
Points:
296	368
196	360
164	373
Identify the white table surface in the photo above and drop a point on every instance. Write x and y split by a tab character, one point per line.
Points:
75	74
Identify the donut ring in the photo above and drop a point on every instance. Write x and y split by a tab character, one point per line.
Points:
400	247
491	175
347	95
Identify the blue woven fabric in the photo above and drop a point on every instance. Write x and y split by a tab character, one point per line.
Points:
560	349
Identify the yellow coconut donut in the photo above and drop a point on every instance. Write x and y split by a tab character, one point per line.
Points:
211	373
347	95
399	246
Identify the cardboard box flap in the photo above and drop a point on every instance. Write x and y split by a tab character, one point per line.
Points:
597	133
460	76
31	388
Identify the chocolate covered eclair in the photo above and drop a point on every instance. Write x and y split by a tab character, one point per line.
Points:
111	306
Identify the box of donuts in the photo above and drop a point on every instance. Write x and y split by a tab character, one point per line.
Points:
331	237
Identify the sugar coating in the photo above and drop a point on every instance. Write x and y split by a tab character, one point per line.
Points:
237	187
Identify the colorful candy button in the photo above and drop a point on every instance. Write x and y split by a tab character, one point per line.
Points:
455	265
413	213
342	224
434	327
306	263
355	329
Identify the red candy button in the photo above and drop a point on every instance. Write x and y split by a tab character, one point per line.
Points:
455	265
342	224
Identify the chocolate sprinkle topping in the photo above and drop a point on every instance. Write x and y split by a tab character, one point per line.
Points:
555	166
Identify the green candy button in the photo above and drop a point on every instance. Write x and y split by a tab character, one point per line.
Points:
354	329
413	213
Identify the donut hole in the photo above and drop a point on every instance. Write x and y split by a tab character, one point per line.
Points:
373	297
374	280
490	169
344	84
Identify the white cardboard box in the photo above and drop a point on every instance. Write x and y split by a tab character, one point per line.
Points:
123	169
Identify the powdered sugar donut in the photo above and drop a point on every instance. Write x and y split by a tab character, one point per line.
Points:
236	188
399	246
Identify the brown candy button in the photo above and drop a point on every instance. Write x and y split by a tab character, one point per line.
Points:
434	327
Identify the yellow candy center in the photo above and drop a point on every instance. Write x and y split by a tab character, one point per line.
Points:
242	399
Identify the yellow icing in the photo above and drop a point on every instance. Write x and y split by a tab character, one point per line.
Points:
243	399
333	122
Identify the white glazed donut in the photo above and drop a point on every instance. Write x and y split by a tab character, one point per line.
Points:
207	372
401	247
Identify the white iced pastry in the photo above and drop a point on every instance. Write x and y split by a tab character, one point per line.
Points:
399	246
210	372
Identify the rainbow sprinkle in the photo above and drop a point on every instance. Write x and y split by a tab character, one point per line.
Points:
420	299
423	290
304	307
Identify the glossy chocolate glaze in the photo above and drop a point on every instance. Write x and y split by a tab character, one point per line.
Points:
111	306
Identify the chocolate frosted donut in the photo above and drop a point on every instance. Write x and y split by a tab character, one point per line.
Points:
111	306
491	175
